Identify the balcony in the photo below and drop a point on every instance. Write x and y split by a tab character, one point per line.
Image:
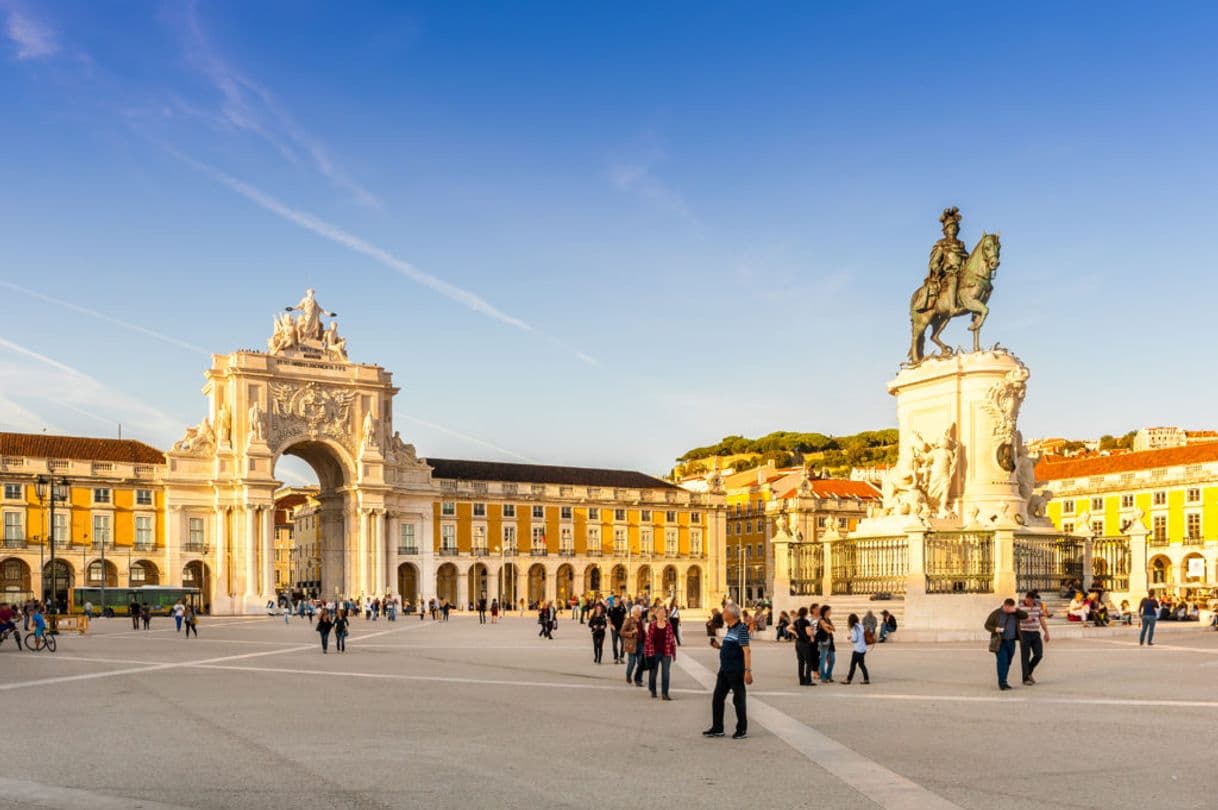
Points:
449	552
15	542
539	552
1194	541
1157	542
566	552
99	545
145	545
194	548
480	551
408	551
594	552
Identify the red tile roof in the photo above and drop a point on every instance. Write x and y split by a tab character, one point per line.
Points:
80	448
831	488
1052	469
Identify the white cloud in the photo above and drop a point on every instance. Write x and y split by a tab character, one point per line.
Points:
249	106
101	316
51	385
355	243
636	175
33	38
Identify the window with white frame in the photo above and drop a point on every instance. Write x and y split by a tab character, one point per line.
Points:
101	495
594	513
821	522
448	537
670	516
138	575
538	542
1068	507
748	527
619	514
619	542
509	539
143	497
646	545
843	523
13	492
59	529
1068	528
448	508
645	515
1192	525
1097	504
1097	528
695	542
480	538
479	510
101	529
195	531
406	539
14	526
594	538
671	546
1194	495
95	573
1159	498
143	531
1126	501
509	510
539	512
564	513
1159	528
566	541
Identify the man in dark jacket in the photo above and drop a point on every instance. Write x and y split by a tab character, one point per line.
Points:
617	617
1003	627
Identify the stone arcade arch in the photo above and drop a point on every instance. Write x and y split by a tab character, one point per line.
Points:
693	587
537	583
15	580
564	583
144	572
408	583
301	397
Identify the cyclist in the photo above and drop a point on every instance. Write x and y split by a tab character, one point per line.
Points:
7	623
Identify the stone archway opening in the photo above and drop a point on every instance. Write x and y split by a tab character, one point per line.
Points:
669	583
15	581
408	584
619	580
565	583
322	555
479	585
99	571
196	574
643	583
58	579
446	584
144	572
693	588
537	584
592	579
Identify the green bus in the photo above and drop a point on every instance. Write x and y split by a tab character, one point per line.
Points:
159	598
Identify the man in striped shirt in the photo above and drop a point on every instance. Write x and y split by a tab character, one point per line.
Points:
1031	643
735	670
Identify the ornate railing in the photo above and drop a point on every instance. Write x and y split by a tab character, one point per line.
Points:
14	542
594	552
408	550
194	548
449	552
1110	561
1046	562
870	565
807	567
959	562
144	545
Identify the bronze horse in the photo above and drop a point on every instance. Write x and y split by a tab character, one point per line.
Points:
972	292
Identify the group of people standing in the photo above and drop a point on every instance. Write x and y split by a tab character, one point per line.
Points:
816	649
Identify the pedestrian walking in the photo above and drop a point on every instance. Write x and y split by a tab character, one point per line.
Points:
324	626
179	612
1003	627
192	621
803	648
674	618
146	616
597	624
632	644
133	610
735	672
1033	636
494	611
860	640
482	608
342	626
660	648
1148	609
287	613
617	617
825	644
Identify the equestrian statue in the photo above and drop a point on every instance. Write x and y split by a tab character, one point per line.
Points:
957	284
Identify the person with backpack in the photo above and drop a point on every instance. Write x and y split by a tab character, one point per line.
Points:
342	626
192	621
860	640
803	648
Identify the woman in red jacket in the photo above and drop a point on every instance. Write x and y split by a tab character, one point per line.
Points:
660	647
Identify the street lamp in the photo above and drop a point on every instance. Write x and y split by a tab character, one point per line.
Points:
49	491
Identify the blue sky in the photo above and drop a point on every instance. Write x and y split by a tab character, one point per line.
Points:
596	234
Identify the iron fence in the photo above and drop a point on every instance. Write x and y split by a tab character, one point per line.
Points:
807	567
870	565
1047	562
959	562
1110	561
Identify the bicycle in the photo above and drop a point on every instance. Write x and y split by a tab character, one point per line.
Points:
35	643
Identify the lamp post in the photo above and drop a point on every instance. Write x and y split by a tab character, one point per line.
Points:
49	491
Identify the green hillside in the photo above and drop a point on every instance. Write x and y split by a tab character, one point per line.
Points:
833	454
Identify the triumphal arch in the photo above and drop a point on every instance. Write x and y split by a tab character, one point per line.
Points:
302	397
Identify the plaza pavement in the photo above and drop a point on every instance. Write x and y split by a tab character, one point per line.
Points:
440	715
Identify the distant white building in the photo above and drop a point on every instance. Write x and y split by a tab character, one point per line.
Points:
1156	438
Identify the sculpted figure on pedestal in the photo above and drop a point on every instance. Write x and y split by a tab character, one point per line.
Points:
903	493
224	425
368	437
257	419
941	473
334	346
958	284
196	440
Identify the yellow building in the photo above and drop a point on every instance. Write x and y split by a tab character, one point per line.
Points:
108	527
1170	494
524	533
